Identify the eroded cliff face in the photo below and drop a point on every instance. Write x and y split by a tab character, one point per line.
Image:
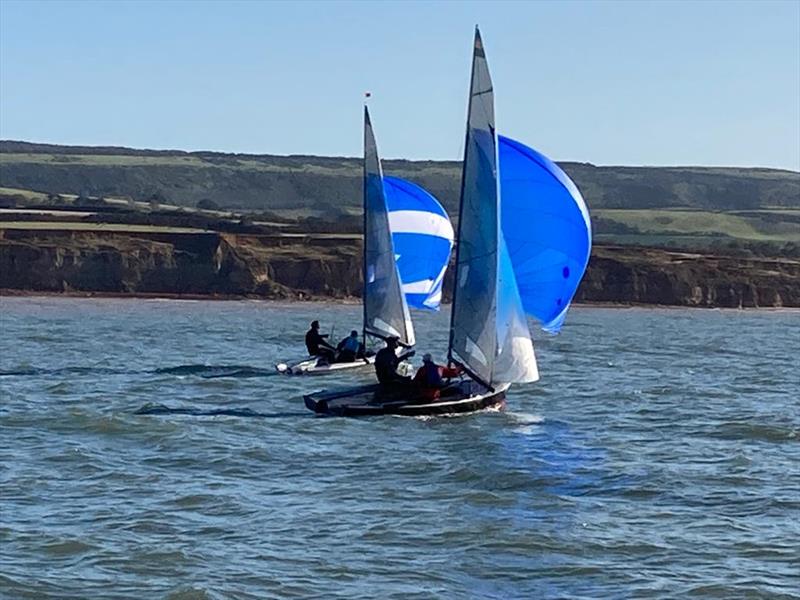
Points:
271	266
175	264
654	276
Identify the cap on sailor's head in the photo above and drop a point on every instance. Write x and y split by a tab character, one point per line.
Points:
314	323
427	357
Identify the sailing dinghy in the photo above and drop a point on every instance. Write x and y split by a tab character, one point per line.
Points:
497	256
407	243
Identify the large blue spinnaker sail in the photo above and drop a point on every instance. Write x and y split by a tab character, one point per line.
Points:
547	231
423	238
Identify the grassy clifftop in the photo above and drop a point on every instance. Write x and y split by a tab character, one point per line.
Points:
323	184
672	206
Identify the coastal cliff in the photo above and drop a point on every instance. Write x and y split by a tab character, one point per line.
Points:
329	266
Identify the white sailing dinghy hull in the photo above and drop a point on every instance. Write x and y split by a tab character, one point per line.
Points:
375	400
310	366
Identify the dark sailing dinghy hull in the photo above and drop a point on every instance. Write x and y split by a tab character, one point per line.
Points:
373	400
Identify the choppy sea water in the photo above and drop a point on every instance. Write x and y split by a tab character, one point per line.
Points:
658	457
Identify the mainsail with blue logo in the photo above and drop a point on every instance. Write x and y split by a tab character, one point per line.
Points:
423	239
547	231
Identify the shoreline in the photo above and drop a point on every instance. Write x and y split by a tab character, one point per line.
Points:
352	300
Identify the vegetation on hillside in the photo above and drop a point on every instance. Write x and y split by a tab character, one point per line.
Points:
716	208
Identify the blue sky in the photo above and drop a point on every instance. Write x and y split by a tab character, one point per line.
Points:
612	83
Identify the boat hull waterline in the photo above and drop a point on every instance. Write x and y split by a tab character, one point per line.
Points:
373	400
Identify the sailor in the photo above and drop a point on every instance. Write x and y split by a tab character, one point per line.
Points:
430	377
387	361
348	348
316	344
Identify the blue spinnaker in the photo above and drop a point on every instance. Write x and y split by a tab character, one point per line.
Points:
547	231
423	238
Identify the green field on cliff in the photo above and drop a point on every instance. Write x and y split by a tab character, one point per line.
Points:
767	225
674	206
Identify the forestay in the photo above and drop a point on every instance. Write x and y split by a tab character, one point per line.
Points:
423	239
385	309
547	231
488	331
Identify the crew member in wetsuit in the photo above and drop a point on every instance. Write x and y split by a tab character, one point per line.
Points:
348	348
386	362
316	344
429	377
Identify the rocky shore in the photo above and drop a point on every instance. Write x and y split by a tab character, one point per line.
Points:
316	266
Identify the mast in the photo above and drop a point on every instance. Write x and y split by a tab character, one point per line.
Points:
450	358
385	308
367	126
489	336
473	335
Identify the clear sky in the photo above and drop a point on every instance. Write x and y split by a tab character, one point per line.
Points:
612	83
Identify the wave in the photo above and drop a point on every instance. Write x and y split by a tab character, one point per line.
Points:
213	371
153	408
762	432
21	371
33	371
207	371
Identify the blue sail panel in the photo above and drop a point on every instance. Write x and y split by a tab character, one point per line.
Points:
423	239
547	230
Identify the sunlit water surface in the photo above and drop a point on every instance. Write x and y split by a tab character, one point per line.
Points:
659	456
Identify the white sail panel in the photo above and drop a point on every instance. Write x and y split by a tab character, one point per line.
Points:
413	221
515	361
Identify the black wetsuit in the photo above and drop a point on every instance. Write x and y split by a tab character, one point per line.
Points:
386	362
316	345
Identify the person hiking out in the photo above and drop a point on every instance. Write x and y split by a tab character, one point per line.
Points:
316	344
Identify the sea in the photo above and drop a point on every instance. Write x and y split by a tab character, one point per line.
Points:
148	449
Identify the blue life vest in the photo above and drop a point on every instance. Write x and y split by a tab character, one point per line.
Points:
351	344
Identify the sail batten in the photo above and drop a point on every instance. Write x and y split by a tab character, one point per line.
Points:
385	309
